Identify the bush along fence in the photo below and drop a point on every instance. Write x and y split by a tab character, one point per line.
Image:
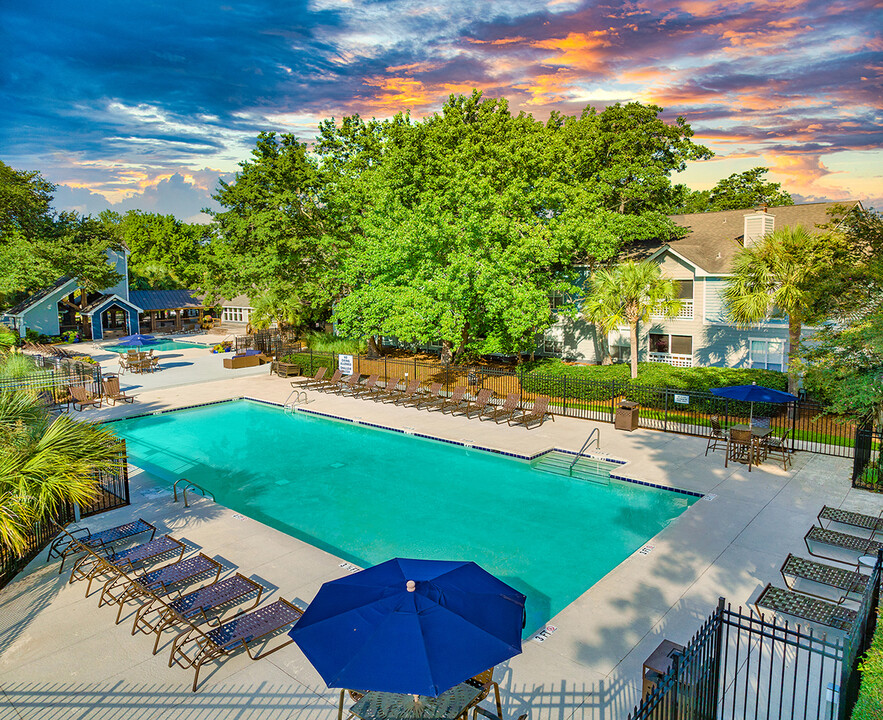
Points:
739	665
867	466
688	412
113	492
54	375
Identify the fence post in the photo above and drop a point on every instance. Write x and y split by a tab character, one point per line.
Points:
794	414
521	385
612	400
565	395
385	368
311	364
665	413
718	654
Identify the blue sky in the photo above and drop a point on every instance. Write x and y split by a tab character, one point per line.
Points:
144	105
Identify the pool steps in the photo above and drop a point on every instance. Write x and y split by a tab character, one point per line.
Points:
584	468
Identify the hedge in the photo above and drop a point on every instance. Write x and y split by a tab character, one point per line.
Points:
604	382
310	362
869	705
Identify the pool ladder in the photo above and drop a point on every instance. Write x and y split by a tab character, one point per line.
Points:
190	486
596	435
295	398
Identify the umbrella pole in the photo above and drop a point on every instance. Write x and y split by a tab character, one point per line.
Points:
751	416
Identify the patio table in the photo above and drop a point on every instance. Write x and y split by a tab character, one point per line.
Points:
392	706
758	434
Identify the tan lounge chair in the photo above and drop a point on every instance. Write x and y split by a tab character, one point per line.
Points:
82	397
412	390
443	403
418	400
537	414
504	411
389	388
112	391
306	382
476	404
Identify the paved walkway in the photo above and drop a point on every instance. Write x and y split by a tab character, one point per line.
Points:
62	657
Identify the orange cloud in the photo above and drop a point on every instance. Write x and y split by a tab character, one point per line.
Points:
395	94
579	50
550	88
500	41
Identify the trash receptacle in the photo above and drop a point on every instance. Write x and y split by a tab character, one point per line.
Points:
626	416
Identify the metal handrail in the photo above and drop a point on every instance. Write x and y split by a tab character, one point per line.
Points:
190	486
596	433
300	396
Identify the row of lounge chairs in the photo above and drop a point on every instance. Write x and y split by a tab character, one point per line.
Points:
840	584
214	617
80	398
482	405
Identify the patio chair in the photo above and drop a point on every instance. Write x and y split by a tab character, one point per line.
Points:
771	445
741	447
159	582
346	385
82	397
419	399
323	385
208	603
487	683
124	363
193	648
99	541
112	391
476	404
447	403
718	435
390	388
400	397
359	389
504	411
92	565
847	581
806	607
305	382
842	541
874	523
537	414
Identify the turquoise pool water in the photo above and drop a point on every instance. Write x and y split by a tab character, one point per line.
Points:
159	346
368	495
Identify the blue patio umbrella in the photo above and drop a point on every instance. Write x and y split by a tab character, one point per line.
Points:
753	393
137	340
415	627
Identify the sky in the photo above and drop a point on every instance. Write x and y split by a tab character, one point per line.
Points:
144	105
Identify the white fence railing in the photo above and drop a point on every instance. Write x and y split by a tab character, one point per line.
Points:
672	359
685	313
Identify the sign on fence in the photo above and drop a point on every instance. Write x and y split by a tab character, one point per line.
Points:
682	399
345	364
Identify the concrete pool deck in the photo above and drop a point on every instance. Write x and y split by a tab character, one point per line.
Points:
62	657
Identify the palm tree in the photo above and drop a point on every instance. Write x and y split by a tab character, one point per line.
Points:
630	293
780	273
45	463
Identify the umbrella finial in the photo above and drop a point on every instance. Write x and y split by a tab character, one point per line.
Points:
412	586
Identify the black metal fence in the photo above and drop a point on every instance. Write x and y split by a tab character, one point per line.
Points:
739	665
55	374
867	465
687	412
113	492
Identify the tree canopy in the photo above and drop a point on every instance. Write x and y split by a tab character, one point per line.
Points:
739	191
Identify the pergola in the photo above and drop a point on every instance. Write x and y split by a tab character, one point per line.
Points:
168	310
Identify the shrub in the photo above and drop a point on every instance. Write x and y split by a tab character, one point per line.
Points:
71	336
869	705
602	382
84	359
308	365
325	342
16	366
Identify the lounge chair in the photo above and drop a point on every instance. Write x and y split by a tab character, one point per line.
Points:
536	415
112	391
80	396
346	385
323	385
806	607
441	402
389	388
847	581
197	607
91	565
828	514
193	648
771	445
100	541
502	412
159	582
718	435
360	390
307	382
476	404
419	399
401	396
843	541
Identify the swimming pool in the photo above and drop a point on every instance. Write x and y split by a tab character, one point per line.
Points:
368	495
159	346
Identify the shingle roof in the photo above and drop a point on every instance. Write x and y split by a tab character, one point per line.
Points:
239	301
102	300
164	299
38	296
716	237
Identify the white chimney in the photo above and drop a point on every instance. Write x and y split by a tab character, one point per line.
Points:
757	224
